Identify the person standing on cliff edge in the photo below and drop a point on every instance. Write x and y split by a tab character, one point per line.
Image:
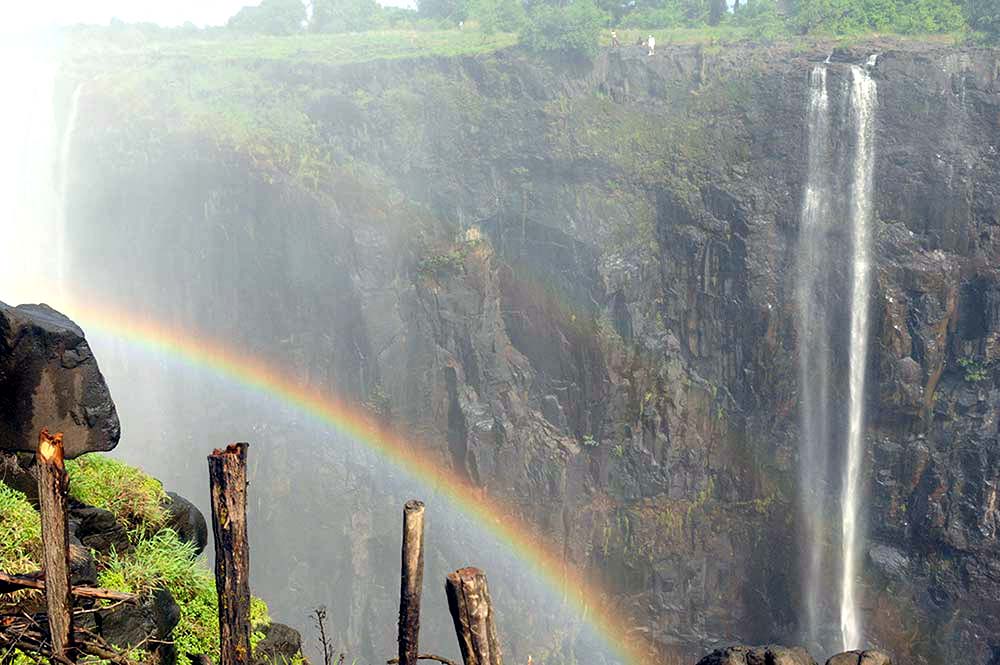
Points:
651	42
614	39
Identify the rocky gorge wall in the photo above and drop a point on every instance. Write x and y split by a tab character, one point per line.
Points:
575	280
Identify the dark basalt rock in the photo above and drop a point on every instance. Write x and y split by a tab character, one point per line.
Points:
280	645
98	529
49	378
148	622
187	521
871	657
771	654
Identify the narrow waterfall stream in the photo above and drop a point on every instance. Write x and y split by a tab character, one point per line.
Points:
834	245
863	98
814	352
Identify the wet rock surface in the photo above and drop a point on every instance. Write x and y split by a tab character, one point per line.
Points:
187	521
49	378
601	330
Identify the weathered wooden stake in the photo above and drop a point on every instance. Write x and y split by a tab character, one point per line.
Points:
227	475
53	487
472	611
411	581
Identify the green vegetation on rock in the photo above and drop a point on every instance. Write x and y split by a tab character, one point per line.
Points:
133	497
164	561
156	559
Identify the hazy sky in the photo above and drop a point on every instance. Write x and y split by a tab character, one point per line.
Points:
164	12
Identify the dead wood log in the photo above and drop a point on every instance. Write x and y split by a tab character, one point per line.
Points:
53	488
227	473
12	583
472	611
411	581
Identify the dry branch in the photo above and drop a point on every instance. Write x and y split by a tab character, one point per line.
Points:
12	583
425	656
411	581
29	634
53	487
227	473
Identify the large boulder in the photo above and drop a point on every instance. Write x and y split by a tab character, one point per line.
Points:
148	623
771	654
280	646
187	521
49	378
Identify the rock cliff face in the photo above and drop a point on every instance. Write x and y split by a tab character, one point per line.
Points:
576	281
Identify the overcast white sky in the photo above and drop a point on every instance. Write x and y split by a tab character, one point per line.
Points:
36	13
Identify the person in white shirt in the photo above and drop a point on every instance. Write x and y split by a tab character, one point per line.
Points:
651	42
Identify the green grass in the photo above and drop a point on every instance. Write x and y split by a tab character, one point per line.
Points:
164	561
134	498
20	532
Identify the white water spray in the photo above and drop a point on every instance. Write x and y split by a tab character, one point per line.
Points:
65	153
863	99
814	349
28	189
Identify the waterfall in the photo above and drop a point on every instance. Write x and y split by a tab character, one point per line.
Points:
65	152
863	97
814	351
834	243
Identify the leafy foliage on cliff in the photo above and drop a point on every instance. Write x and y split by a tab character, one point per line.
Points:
573	28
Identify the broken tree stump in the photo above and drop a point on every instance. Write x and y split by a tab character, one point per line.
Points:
227	474
411	581
53	488
472	611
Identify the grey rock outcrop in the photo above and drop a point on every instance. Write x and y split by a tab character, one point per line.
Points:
49	378
770	654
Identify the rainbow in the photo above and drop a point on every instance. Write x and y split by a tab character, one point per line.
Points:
348	419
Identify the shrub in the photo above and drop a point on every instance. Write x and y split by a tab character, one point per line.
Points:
132	496
929	16
984	15
574	28
498	15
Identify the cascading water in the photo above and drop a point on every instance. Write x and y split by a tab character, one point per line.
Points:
814	353
863	97
838	191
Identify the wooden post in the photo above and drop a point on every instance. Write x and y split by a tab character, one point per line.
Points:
411	581
472	611
53	486
227	475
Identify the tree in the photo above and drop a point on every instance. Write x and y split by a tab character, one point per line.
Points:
271	17
498	15
984	15
343	15
571	29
